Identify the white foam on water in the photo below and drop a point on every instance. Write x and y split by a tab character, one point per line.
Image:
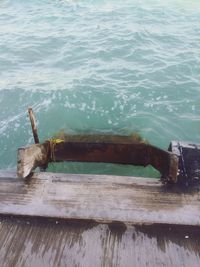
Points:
100	65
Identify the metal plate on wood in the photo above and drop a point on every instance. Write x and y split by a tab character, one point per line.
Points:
189	162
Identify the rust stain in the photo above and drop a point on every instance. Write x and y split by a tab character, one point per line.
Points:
116	149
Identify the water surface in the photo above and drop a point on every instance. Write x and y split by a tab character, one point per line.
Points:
99	66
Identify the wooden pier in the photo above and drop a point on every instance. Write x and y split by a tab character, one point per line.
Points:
75	220
52	219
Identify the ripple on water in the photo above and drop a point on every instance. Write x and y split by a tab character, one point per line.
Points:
103	66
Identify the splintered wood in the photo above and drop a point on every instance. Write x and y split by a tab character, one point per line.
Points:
30	158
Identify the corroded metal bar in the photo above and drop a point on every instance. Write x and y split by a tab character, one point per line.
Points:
121	152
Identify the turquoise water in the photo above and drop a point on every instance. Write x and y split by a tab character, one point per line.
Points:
99	66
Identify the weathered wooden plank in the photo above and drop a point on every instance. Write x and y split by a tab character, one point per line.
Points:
31	157
40	242
100	198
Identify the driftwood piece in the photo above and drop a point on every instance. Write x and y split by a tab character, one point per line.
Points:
30	158
33	125
101	198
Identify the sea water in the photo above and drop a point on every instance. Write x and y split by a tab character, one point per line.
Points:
114	67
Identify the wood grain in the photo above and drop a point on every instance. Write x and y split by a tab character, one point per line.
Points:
101	198
29	158
29	242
